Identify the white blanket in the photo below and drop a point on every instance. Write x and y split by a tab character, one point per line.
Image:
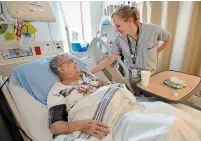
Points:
157	121
106	104
115	106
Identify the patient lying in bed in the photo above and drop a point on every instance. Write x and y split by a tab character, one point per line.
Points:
84	107
82	96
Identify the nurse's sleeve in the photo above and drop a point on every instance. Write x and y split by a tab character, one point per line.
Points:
163	34
115	46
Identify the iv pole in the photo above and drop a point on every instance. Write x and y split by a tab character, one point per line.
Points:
66	27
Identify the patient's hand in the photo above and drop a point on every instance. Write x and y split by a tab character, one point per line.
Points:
83	89
95	128
86	89
91	127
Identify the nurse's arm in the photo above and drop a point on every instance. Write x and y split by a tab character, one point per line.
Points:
165	44
105	63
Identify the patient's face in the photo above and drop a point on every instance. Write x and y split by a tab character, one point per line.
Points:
68	68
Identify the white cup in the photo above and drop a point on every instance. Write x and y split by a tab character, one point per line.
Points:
145	76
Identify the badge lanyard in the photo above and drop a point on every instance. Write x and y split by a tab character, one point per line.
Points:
134	54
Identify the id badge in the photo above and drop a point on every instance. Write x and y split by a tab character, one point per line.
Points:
134	73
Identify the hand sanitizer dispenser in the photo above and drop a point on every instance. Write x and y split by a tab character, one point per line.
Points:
25	41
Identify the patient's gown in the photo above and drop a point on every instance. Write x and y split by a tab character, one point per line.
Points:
74	92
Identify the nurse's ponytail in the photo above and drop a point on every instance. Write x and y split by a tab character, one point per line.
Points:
136	13
125	12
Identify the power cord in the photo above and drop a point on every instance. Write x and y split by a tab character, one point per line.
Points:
58	47
12	116
2	11
4	83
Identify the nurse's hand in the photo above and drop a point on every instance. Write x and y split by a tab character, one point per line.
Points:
92	71
105	63
95	128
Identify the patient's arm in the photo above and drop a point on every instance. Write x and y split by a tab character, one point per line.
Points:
63	127
93	128
58	124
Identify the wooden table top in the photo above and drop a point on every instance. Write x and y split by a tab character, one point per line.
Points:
158	88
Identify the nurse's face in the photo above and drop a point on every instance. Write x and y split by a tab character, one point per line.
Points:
122	26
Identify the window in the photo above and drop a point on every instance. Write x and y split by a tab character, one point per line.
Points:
77	16
72	14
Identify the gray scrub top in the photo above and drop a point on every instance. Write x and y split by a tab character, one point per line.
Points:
149	35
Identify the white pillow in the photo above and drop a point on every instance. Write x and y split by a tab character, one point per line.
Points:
91	64
33	113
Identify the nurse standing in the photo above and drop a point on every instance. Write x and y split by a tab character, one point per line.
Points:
136	41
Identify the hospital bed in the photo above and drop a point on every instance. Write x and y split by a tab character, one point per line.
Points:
32	116
35	123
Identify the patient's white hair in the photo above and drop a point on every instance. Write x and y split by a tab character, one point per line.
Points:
55	62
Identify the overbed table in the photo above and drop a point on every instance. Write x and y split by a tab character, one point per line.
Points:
158	89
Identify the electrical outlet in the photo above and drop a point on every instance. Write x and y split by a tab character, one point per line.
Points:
59	45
